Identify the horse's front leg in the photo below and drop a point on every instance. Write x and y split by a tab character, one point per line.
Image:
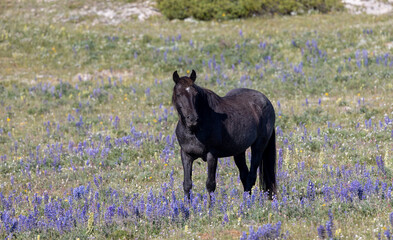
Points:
211	173
187	161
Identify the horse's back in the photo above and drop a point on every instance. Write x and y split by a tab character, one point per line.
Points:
239	95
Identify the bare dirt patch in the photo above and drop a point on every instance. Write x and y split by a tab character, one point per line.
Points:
115	13
374	7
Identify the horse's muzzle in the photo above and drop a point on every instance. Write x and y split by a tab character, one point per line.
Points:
191	121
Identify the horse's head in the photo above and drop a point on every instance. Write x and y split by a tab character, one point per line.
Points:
185	96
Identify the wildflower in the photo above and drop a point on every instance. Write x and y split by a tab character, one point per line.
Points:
387	234
8	119
338	232
321	232
186	228
391	219
188	71
54	50
327	94
226	219
223	14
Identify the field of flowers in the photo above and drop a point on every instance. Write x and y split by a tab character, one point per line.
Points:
87	144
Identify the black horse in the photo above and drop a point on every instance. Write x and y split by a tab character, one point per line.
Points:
212	127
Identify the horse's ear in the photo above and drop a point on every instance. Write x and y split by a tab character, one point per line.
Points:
176	77
193	75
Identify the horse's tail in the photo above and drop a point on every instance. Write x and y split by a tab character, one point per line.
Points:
267	167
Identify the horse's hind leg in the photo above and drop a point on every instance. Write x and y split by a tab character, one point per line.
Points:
267	171
256	158
240	161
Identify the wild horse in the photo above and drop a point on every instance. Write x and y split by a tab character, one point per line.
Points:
212	127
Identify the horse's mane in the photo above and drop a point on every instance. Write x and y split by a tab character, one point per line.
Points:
211	98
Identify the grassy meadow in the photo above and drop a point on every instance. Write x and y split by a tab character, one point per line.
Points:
87	144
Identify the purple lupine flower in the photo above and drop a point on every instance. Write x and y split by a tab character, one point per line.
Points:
79	192
391	219
225	219
96	182
329	225
110	213
244	236
165	55
321	232
365	57
267	231
387	234
311	190
116	122
184	210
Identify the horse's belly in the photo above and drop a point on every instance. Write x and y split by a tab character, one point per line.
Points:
232	148
237	137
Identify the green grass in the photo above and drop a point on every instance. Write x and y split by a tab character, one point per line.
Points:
54	46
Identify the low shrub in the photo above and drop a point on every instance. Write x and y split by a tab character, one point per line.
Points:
230	9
